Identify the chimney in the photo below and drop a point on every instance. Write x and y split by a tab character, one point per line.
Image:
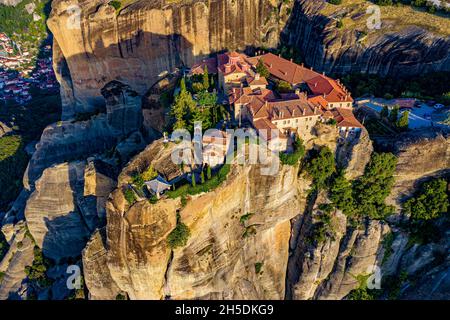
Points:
257	76
292	60
323	73
297	92
315	110
304	112
270	66
315	85
324	95
311	68
303	64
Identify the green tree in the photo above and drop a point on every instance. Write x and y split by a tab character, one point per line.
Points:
193	181
284	86
183	85
403	122
208	173
183	107
429	202
321	167
384	112
179	236
262	69
341	194
207	99
371	190
149	174
202	177
206	78
393	116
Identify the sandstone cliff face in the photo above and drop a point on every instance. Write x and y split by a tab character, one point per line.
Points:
66	207
70	140
95	44
419	158
397	49
218	261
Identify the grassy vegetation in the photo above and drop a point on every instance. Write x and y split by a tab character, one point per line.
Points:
293	158
208	186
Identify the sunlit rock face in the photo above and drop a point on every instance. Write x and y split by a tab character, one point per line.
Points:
95	44
401	47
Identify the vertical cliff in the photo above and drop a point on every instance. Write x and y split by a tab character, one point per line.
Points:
146	39
408	42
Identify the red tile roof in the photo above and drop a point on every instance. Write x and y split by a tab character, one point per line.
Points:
329	88
229	63
199	68
284	69
346	118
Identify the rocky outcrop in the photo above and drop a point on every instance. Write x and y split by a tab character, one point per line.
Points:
66	207
4	129
19	255
218	260
398	48
101	285
421	156
329	268
354	155
142	42
70	140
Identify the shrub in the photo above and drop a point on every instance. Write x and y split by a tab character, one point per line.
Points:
429	202
149	174
371	190
116	4
245	218
284	87
179	236
36	273
258	267
341	194
262	69
130	196
208	186
321	167
292	159
138	181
